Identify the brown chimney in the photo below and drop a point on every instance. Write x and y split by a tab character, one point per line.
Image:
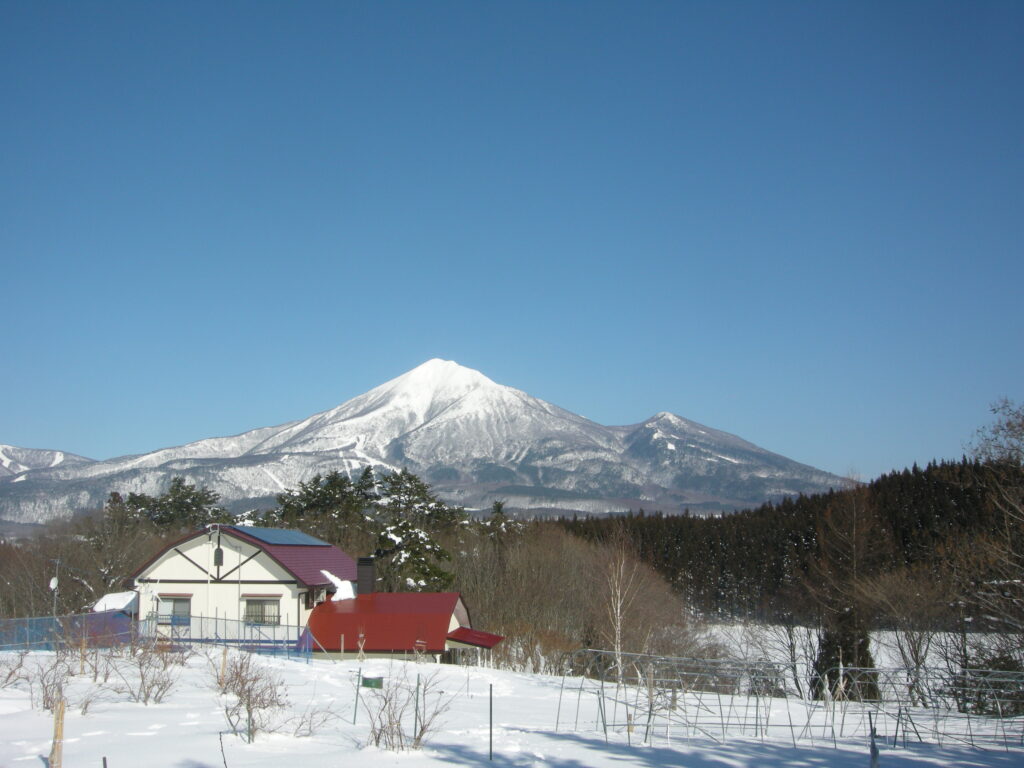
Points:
366	576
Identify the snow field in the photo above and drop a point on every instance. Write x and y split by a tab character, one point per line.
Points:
186	728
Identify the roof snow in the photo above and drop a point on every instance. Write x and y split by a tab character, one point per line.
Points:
344	590
117	601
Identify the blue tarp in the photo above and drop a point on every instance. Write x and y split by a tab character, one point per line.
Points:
110	628
46	633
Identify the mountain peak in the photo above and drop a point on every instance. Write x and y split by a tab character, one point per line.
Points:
414	398
664	418
445	369
439	376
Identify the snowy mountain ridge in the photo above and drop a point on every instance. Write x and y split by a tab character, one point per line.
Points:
474	440
15	460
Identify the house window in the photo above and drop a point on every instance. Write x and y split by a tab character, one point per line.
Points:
176	611
262	611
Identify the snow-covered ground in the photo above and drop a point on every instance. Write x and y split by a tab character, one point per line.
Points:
186	729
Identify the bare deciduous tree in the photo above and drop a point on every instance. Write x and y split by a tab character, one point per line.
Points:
12	665
1003	440
623	583
148	672
999	585
397	701
797	644
551	593
911	604
538	593
252	693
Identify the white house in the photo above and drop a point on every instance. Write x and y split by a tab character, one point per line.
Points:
259	576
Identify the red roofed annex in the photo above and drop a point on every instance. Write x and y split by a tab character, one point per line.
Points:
395	622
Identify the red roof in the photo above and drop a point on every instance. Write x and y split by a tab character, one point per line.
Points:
305	561
475	637
387	622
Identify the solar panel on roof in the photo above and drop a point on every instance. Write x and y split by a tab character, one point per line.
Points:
280	536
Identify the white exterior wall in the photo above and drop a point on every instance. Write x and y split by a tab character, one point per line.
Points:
460	617
258	577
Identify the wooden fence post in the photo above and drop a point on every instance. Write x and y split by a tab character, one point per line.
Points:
223	668
57	749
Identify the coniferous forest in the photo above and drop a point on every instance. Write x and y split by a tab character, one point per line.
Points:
765	563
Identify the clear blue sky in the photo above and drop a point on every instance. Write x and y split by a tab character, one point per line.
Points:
800	222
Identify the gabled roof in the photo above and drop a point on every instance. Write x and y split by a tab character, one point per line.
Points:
387	622
301	555
305	561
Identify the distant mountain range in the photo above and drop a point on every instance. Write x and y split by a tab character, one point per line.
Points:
473	440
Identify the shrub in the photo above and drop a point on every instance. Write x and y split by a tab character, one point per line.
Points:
148	672
252	693
396	702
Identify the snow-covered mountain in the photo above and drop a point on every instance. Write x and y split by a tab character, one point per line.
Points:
15	461
474	440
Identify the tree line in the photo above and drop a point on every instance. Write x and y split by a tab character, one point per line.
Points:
548	591
918	552
761	563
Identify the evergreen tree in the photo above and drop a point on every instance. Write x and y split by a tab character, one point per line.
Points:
410	520
844	656
182	506
331	507
396	517
186	506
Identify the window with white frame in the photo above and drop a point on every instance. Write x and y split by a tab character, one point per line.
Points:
263	610
174	610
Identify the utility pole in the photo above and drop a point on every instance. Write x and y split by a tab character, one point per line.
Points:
53	585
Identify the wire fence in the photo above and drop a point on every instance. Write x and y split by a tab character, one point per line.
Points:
113	628
652	697
50	633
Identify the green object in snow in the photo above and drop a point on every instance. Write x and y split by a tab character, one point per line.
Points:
373	682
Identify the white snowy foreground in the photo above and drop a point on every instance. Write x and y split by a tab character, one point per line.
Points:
187	728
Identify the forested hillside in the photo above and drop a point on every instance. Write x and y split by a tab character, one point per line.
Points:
766	562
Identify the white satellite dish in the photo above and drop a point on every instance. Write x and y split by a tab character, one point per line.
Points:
53	584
